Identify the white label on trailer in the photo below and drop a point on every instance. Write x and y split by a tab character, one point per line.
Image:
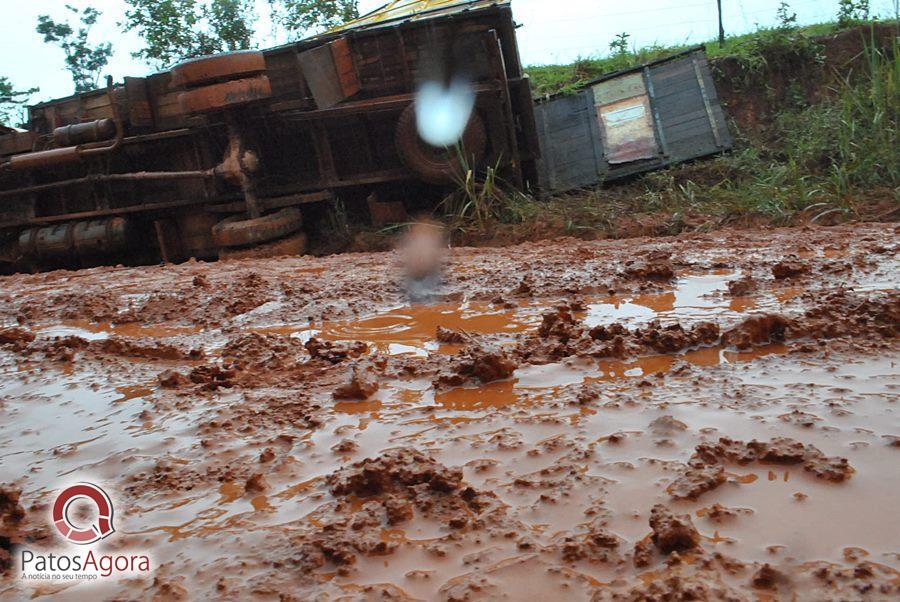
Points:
622	116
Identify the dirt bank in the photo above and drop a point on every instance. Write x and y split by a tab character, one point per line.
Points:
697	417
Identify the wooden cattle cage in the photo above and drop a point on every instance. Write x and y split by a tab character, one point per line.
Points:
629	122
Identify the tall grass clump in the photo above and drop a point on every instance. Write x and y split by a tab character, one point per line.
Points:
853	138
820	158
480	199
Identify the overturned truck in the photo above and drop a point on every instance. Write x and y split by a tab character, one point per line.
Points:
228	156
220	156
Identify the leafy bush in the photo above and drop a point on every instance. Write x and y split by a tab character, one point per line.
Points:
852	12
787	46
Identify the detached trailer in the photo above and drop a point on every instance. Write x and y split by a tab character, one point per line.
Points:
217	156
225	156
631	121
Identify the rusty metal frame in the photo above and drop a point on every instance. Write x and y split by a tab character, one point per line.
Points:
495	55
113	177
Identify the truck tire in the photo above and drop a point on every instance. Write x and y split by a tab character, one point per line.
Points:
433	164
224	95
218	68
293	244
238	232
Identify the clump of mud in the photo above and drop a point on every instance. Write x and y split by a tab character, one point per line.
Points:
335	352
388	490
209	377
362	385
597	544
12	525
11	513
562	334
398	469
149	349
838	314
844	314
15	338
741	287
65	348
757	330
477	363
267	352
450	336
705	469
672	338
678	583
789	269
656	265
669	533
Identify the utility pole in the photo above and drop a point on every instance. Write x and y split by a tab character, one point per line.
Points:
721	26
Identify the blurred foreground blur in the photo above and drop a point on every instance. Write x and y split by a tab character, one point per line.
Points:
423	252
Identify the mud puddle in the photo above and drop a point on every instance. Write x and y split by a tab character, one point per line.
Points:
242	476
411	329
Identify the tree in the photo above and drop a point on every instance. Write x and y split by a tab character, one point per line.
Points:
786	18
83	61
232	22
173	30
852	12
619	45
12	102
177	29
302	17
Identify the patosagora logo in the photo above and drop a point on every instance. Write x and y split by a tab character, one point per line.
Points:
91	533
84	562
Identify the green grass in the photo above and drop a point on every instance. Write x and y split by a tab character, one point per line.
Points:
552	79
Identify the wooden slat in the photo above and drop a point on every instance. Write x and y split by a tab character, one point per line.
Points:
671	120
692	147
614	90
678	87
693	127
570	148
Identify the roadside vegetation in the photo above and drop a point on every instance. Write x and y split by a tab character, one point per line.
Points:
553	79
831	159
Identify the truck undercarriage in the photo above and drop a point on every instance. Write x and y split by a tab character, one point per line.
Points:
221	155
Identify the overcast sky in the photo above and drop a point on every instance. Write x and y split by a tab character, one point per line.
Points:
552	30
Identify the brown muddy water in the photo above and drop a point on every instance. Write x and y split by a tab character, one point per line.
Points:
210	402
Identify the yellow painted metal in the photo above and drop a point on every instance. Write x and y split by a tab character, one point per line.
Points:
411	9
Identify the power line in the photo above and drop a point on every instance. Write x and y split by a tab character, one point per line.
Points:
679	7
625	14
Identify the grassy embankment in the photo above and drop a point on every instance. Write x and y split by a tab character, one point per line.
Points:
831	159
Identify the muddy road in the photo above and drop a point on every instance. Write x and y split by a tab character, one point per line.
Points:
712	416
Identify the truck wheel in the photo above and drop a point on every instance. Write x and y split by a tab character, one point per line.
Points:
224	95
294	244
218	68
238	232
434	164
